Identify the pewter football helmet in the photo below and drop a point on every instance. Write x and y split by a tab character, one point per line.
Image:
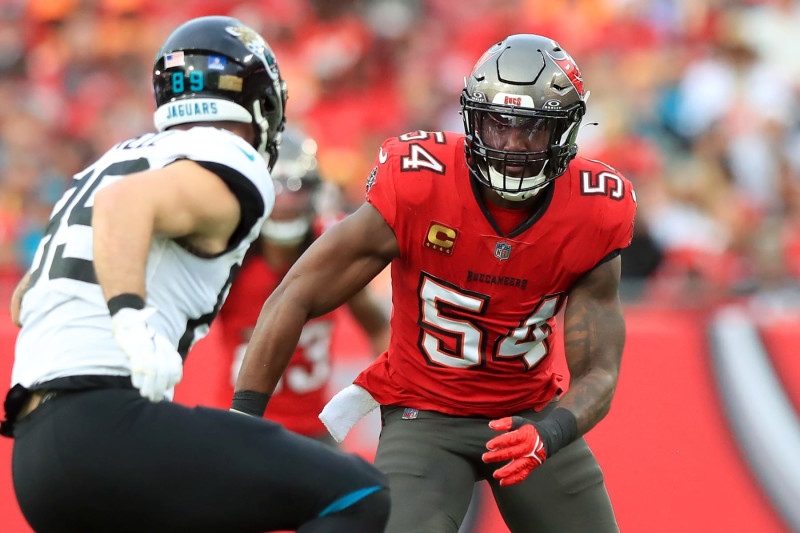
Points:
297	183
529	86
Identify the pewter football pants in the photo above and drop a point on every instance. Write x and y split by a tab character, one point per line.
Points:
433	460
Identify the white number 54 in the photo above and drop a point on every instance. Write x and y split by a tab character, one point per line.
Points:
526	341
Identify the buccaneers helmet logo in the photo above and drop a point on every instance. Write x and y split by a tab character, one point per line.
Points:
570	68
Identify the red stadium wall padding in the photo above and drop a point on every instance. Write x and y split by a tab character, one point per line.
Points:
669	460
781	337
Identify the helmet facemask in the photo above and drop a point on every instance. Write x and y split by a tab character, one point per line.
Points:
297	184
516	152
266	143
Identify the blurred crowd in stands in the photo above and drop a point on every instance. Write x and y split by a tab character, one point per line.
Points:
696	101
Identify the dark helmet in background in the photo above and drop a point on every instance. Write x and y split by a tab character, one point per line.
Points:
528	84
297	184
218	69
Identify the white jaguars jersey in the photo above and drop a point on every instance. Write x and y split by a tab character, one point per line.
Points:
66	327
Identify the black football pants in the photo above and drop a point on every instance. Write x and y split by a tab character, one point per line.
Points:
111	461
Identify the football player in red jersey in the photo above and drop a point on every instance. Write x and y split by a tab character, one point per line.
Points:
293	225
489	235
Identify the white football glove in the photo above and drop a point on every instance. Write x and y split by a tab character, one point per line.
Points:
156	366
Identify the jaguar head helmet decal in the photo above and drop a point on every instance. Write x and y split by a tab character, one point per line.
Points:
256	44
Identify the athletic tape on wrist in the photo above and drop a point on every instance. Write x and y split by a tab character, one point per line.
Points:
121	301
250	402
557	430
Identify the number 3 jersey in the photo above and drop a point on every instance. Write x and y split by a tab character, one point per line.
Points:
66	327
474	308
303	390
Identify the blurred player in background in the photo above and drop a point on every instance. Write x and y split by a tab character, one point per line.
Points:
294	224
137	259
489	235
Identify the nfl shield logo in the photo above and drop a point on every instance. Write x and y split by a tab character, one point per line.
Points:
502	250
216	63
409	413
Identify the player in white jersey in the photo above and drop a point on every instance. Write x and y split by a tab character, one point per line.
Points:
135	263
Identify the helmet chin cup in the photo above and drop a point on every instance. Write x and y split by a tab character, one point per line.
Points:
515	189
517	196
286	233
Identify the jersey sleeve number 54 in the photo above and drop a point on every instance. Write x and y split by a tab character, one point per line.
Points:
418	157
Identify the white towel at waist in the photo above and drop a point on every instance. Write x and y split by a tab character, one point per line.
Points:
347	407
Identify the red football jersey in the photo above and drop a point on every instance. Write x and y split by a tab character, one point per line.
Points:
474	310
303	390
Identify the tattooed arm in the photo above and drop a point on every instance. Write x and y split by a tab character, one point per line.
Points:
594	335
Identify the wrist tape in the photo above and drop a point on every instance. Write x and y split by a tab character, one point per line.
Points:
121	301
250	402
557	430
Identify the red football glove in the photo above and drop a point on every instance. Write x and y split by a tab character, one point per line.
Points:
522	445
